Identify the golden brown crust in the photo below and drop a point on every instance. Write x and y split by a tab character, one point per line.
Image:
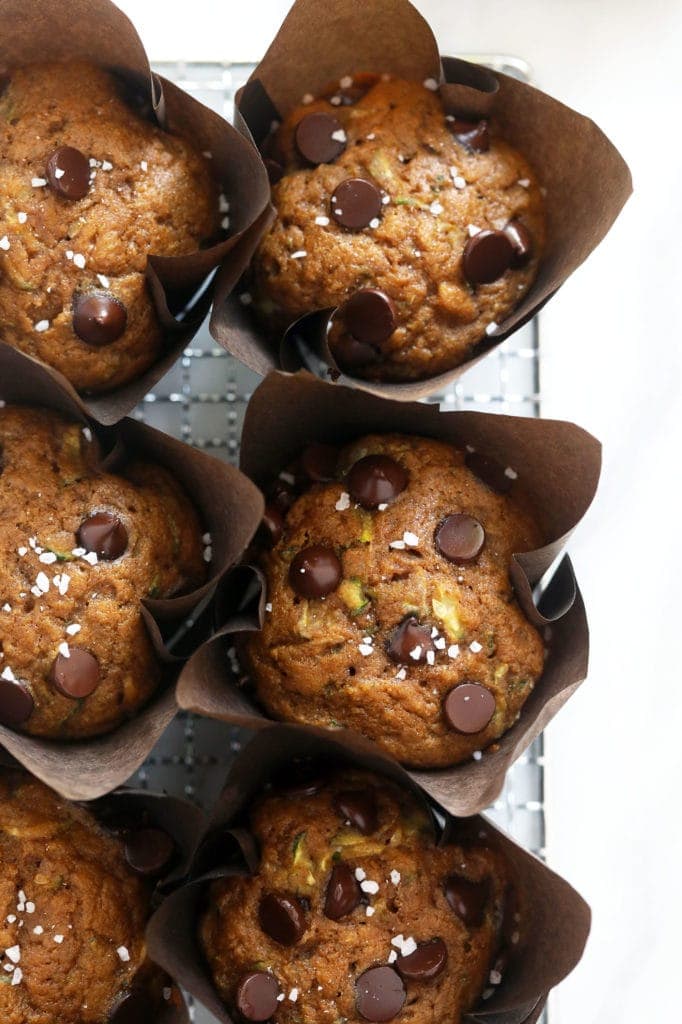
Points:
324	661
72	913
398	138
154	194
300	840
49	485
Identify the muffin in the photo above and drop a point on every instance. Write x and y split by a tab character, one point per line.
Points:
355	914
390	609
89	187
424	229
79	549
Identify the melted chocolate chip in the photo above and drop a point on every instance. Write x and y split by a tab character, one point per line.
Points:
427	961
469	708
282	917
379	994
302	777
355	203
98	318
318	462
149	850
320	138
105	534
359	806
467	899
521	240
257	995
134	1007
272	525
350	353
460	538
275	171
315	572
487	256
375	480
369	316
76	676
489	471
409	642
68	173
472	134
16	702
343	892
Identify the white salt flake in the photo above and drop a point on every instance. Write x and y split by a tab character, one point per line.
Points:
475	647
495	978
61	582
90	557
374	223
38	930
268	606
477	755
4	243
398	940
47	557
382	507
293	995
370	138
365	650
123	954
42	325
409	946
299	254
369	886
339	135
453	651
343	503
281	997
431	84
416	653
473	229
399	545
395	877
322	221
523	182
13	954
392	957
11	918
436	208
225	223
107	165
17	975
491	328
511	473
439	643
59	173
143	165
38	182
58	939
360	874
42	582
369	911
411	539
79	260
22	217
208	553
7	607
104	281
64	650
345	82
30	907
8	674
401	673
431	657
78	552
22	551
223	205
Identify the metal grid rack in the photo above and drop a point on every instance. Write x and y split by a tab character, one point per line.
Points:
202	401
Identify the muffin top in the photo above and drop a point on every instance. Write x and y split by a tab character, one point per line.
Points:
355	913
390	609
382	192
79	549
72	913
88	189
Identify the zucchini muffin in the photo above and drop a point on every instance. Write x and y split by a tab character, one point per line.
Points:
389	604
425	230
72	915
79	549
88	189
355	914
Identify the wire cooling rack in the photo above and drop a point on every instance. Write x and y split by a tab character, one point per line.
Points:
202	401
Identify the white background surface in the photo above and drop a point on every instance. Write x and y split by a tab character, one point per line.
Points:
611	361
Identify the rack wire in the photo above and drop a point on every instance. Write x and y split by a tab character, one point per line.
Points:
202	401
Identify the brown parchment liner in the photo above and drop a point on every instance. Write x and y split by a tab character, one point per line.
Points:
230	508
558	464
182	820
586	179
96	30
554	926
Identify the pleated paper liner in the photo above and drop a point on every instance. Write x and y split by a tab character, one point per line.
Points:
96	30
558	465
554	924
586	180
230	508
141	809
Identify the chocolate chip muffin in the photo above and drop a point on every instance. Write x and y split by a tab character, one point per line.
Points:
72	915
423	228
355	914
390	609
79	549
88	189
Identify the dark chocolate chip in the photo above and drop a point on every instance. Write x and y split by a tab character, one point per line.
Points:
105	534
472	134
359	806
469	708
375	480
76	676
369	316
467	899
408	638
302	777
282	917
275	171
520	238
98	318
487	255
379	994
315	572
282	496
343	892
149	850
315	138
350	353
427	961
16	702
68	173
257	995
460	538
133	1007
355	203
318	462
489	471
